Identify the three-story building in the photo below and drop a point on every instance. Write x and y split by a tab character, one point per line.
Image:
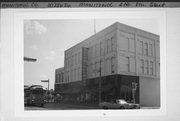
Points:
118	62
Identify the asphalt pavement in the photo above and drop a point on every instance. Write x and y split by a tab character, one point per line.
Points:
66	106
59	106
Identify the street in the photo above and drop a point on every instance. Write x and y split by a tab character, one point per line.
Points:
63	106
59	106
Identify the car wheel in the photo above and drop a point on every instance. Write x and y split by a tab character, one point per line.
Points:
105	107
122	107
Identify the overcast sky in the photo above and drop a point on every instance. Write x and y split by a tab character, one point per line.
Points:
46	40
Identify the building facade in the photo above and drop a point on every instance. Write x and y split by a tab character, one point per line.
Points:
59	77
117	62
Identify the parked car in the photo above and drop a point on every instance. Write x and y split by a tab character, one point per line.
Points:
118	104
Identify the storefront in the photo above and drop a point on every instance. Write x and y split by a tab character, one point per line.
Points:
112	87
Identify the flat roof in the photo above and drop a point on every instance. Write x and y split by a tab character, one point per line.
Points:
115	25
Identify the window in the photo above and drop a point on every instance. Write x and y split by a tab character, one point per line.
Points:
145	48
108	66
101	48
71	75
90	70
108	45
151	49
93	69
141	47
101	66
96	50
127	64
78	58
72	60
131	45
56	78
59	77
146	67
74	74
67	76
93	51
67	62
79	74
151	67
142	66
112	44
96	69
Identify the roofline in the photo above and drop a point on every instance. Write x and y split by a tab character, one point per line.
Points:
108	27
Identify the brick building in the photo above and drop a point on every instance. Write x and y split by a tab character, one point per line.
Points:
118	62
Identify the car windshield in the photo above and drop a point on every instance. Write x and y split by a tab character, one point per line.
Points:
121	102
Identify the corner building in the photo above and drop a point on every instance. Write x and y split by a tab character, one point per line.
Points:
120	62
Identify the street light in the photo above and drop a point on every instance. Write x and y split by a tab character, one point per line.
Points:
48	86
30	59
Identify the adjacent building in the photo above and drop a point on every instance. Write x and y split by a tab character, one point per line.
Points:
59	76
118	62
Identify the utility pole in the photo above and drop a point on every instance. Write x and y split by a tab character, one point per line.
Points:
94	26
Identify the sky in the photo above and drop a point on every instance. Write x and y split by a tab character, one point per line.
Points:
46	40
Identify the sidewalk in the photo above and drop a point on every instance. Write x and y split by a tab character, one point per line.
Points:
150	108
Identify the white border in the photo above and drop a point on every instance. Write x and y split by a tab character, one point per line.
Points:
73	13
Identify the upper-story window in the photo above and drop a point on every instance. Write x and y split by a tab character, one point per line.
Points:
79	73
101	66
151	67
141	47
151	50
145	48
71	76
142	66
131	43
146	67
75	60
79	58
75	75
101	48
113	43
109	46
96	68
124	43
96	50
93	51
71	60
